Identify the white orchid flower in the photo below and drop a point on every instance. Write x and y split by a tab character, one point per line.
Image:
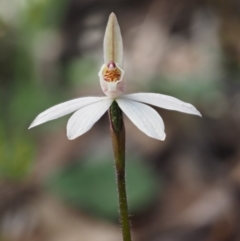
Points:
88	110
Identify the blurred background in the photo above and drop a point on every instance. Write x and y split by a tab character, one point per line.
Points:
186	188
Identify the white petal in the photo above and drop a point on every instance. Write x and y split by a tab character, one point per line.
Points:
144	117
163	101
112	43
64	109
83	120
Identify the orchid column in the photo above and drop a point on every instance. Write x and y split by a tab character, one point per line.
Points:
113	84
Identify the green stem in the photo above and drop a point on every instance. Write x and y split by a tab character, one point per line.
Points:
118	142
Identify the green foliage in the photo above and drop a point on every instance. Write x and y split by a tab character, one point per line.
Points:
34	99
82	72
23	93
16	155
43	13
91	185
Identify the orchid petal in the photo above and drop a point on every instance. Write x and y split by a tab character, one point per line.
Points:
83	120
144	117
112	44
64	109
163	101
